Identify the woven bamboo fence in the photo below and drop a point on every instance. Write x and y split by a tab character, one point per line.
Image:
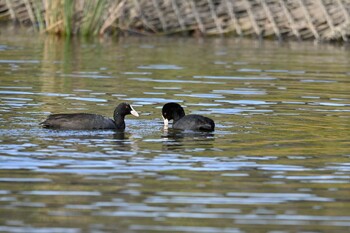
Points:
282	19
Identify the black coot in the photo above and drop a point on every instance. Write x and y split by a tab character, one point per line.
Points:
87	121
173	111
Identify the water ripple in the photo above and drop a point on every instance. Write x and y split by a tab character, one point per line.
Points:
246	102
161	67
24	180
89	99
61	193
190	229
29	229
233	111
173	81
241	91
234	77
20	61
148	101
87	75
209	96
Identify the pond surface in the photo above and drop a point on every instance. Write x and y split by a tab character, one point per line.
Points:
278	161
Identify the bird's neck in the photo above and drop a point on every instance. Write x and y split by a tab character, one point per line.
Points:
119	120
178	115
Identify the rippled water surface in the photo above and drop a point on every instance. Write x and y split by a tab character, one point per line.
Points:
278	161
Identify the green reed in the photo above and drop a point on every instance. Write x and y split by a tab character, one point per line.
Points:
65	17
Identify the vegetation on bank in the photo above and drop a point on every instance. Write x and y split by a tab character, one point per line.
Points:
64	17
297	19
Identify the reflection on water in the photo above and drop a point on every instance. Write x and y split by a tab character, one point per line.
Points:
278	160
176	139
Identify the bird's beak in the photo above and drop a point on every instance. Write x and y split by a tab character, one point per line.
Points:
166	121
133	112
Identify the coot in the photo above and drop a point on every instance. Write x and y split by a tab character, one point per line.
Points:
87	121
173	111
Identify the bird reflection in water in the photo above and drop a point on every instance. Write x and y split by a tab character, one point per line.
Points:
179	139
124	142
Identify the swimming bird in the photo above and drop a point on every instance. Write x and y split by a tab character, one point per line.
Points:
174	111
88	121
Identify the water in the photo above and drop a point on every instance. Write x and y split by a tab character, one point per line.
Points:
277	162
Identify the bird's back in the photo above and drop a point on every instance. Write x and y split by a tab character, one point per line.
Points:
78	121
195	122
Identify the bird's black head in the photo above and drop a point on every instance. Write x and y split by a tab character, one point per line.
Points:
172	111
124	109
